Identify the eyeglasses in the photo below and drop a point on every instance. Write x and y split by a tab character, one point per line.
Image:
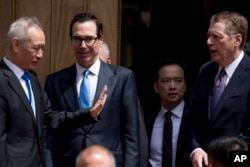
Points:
89	40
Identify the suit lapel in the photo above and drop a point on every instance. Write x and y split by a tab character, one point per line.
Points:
18	89
236	80
150	124
68	86
106	77
208	87
38	123
16	86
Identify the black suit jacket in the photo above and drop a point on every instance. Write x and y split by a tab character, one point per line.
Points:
181	150
118	127
143	139
231	115
21	134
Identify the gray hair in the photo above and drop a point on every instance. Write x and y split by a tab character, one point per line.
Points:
20	27
106	49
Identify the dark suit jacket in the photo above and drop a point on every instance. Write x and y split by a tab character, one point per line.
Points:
118	127
231	116
21	134
181	154
143	139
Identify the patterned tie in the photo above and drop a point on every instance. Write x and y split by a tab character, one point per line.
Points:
85	91
219	86
26	77
167	141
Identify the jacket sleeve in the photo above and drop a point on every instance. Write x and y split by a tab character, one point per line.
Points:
56	119
131	122
3	134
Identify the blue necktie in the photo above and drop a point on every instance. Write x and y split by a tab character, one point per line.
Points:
85	91
220	84
26	77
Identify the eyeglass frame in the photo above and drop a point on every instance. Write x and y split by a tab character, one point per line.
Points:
78	40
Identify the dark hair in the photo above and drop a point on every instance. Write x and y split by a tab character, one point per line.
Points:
165	62
83	17
219	149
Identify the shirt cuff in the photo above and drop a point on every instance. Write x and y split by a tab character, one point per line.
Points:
194	151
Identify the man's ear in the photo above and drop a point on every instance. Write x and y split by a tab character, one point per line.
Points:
101	39
15	42
238	39
156	87
108	60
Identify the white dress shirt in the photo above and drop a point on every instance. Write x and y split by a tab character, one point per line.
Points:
155	155
93	78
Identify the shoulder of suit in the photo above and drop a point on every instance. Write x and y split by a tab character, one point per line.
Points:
62	72
118	68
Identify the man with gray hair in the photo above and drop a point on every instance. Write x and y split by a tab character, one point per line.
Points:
104	53
24	107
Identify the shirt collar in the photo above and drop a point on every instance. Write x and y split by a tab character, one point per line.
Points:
232	66
177	111
94	69
14	68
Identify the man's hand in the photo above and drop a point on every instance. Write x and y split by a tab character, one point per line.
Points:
97	108
199	157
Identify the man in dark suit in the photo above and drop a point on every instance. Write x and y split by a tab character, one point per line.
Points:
170	83
118	125
227	34
25	112
104	54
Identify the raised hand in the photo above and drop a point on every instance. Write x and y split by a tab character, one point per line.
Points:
98	106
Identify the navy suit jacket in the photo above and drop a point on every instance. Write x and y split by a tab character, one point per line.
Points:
181	154
118	126
21	133
231	115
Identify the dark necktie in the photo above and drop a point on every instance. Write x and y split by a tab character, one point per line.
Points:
85	91
26	77
167	141
220	84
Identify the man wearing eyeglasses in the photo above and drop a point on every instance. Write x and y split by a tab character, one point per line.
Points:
117	127
25	111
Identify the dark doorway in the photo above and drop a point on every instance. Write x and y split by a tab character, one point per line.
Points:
153	29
